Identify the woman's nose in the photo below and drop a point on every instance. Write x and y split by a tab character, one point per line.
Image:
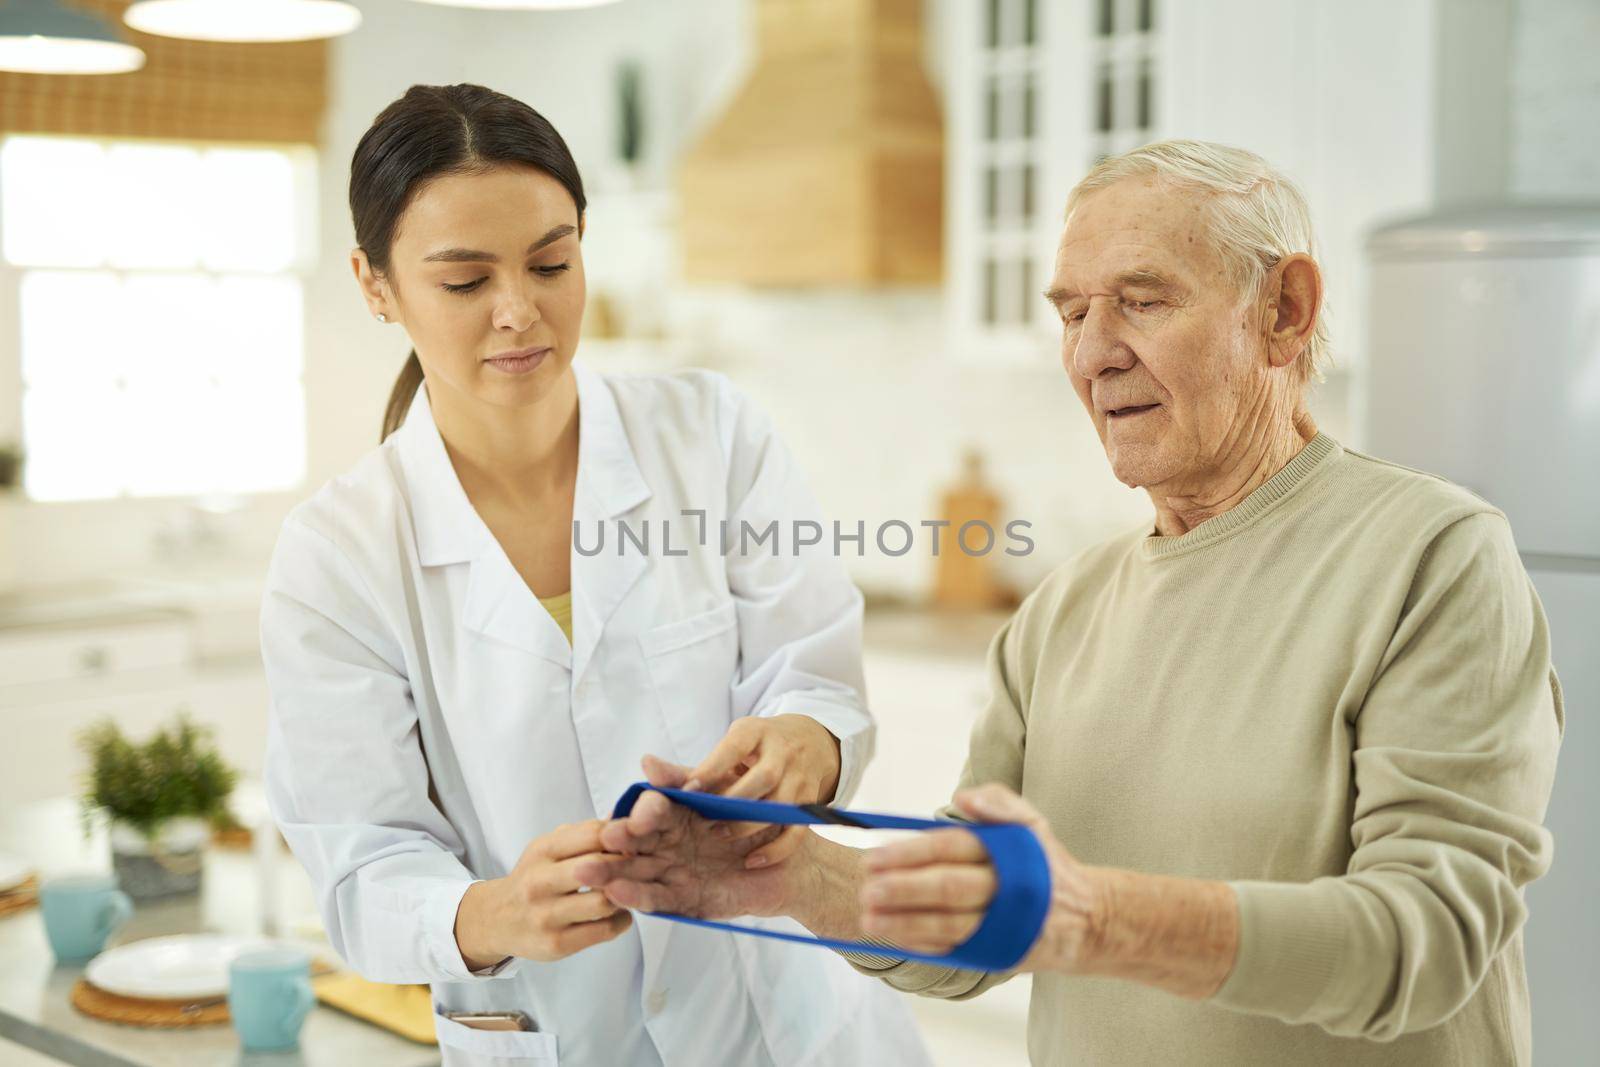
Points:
517	310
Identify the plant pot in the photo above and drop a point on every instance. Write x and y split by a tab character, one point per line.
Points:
170	864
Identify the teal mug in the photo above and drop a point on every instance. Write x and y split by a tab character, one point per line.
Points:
269	997
81	913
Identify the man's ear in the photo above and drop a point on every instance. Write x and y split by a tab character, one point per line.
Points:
582	219
1294	300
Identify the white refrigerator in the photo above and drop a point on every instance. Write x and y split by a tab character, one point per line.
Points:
1484	367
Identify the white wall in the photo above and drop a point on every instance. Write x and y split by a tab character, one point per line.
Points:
1555	96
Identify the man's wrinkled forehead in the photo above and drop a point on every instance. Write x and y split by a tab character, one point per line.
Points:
1138	222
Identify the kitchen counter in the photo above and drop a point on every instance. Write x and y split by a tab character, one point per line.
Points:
96	604
220	606
35	1011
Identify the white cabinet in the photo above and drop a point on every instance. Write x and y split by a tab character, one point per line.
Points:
57	654
40	758
63	668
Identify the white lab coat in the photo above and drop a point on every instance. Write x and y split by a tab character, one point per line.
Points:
429	720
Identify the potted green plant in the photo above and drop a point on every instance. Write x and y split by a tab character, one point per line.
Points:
161	797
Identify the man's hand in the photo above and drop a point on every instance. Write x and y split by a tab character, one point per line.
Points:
675	862
787	758
928	893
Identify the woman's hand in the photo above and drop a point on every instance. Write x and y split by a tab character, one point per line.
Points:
929	892
787	758
539	911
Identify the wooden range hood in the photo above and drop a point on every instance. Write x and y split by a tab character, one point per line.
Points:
828	166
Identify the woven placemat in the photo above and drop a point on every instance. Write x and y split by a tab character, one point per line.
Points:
21	898
162	1014
235	838
241	839
159	1014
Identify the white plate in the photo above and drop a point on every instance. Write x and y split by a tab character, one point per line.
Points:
13	872
184	966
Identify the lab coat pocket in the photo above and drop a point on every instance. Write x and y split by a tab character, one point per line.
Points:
465	1046
692	664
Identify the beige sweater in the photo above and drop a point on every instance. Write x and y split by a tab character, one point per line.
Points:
1337	696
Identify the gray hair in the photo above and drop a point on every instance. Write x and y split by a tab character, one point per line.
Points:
1256	215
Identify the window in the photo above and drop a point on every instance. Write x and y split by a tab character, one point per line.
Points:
1009	157
161	328
1123	93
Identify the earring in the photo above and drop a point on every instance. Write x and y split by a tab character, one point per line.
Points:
382	317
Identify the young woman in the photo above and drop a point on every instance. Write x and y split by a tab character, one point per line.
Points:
459	697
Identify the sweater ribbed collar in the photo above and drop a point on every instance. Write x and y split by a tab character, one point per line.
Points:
1317	454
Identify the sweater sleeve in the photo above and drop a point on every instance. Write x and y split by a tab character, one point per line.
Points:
1454	757
994	755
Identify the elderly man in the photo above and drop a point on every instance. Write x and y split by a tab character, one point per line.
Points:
1288	750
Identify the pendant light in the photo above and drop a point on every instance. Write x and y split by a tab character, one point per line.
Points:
521	5
244	21
47	37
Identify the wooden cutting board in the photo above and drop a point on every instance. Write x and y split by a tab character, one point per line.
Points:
20	898
406	1010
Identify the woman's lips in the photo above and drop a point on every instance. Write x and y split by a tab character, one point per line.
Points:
520	364
1130	412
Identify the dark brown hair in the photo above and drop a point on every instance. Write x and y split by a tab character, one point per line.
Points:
431	131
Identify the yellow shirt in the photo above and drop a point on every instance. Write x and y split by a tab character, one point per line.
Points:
560	609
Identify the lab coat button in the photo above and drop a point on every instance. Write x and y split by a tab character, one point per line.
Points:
657	1001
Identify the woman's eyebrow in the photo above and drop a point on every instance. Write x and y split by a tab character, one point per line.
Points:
472	255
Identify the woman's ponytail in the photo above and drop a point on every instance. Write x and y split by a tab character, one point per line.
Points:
400	397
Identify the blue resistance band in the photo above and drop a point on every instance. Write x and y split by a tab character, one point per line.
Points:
1010	925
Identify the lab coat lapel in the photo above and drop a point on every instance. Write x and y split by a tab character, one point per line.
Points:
501	606
609	486
449	531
